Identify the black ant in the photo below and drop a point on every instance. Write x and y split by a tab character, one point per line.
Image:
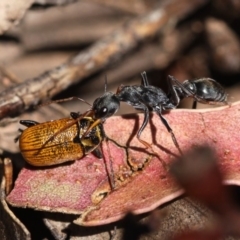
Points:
150	98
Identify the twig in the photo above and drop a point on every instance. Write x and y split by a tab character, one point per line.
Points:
132	7
54	2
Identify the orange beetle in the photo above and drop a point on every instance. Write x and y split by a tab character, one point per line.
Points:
41	146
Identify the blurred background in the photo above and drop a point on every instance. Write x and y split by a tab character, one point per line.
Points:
40	35
204	43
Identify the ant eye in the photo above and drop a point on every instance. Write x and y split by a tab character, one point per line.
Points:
104	110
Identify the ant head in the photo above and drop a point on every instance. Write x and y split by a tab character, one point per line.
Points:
105	106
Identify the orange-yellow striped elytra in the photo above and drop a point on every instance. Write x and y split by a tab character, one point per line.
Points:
41	146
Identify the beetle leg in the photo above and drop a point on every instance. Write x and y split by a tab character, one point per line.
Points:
97	152
75	115
28	123
17	138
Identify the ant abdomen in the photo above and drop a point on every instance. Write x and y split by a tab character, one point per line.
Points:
206	90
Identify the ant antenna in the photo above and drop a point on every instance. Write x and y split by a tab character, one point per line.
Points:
105	84
63	100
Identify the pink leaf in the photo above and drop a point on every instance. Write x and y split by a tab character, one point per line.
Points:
80	187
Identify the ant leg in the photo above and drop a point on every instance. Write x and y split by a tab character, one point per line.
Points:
177	88
194	105
185	92
28	123
144	81
145	121
111	173
174	89
146	144
165	123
